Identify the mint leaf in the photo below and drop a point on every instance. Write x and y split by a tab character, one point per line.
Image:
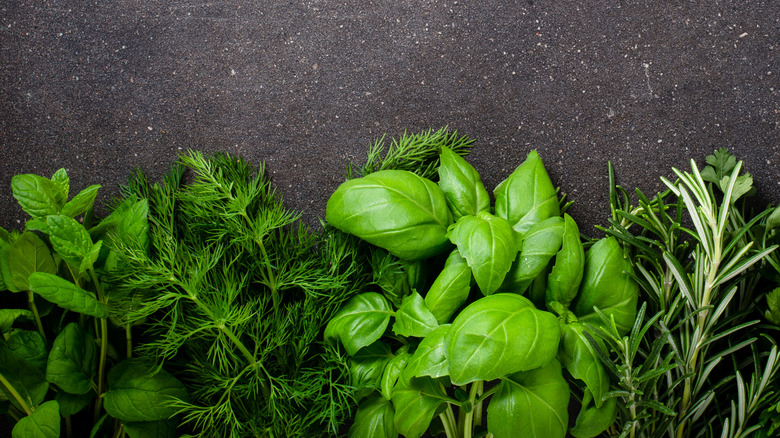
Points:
773	303
38	196
44	422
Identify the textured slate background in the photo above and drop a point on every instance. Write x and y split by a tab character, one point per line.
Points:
99	87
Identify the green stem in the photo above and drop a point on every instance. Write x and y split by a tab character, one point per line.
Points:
448	420
34	308
101	366
15	394
129	341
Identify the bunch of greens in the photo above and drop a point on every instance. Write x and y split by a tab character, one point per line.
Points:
699	253
468	334
71	349
234	292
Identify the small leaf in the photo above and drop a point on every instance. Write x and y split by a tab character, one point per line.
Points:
498	335
61	180
67	295
29	254
69	238
579	358
591	420
773	304
566	275
137	393
88	262
44	422
540	243
9	316
430	357
489	246
367	366
413	318
462	185
72	360
38	196
360	322
393	370
80	203
527	196
450	289
374	419
416	400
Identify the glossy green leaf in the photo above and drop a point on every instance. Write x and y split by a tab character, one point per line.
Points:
608	285
30	346
489	246
88	262
581	360
430	357
773	306
6	282
72	359
531	404
499	335
450	289
151	429
396	210
36	195
540	243
80	203
374	419
29	254
72	404
137	393
9	316
462	185
20	365
393	370
69	238
360	322
44	422
416	400
591	420
67	295
413	318
566	275
133	229
61	180
527	196
367	367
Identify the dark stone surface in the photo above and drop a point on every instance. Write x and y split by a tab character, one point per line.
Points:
101	87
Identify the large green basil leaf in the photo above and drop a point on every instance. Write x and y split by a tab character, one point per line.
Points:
36	195
607	284
430	357
593	420
72	360
29	254
67	295
395	210
532	404
416	400
68	238
581	360
413	318
374	419
499	335
450	289
139	392
82	202
527	196
566	275
44	422
367	367
540	243
393	370
361	321
489	246
462	185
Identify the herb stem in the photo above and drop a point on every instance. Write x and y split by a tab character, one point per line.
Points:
101	366
448	420
15	394
34	308
129	341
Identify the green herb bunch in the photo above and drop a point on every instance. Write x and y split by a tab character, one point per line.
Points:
698	361
234	292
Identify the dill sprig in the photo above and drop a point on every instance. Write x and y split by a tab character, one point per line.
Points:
234	292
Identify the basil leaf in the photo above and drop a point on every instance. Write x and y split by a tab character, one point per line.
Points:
367	367
499	335
430	357
416	400
607	285
540	243
67	295
580	359
38	196
527	196
69	238
151	429
591	420
413	318
72	360
566	275
393	209
393	370
44	422
450	289
374	419
462	185
361	321
29	254
80	203
489	246
531	404
137	393
9	316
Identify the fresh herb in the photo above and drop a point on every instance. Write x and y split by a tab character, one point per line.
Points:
71	359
